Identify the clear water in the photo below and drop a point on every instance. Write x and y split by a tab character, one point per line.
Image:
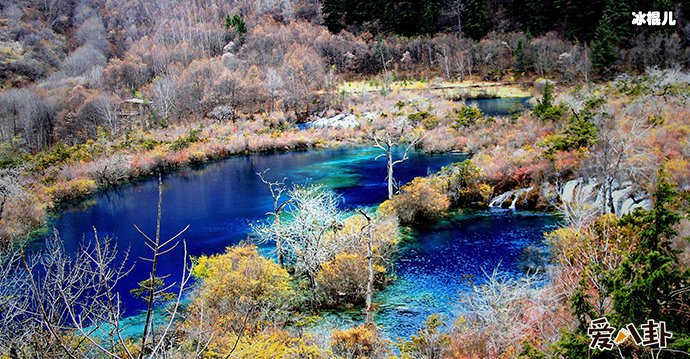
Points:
495	107
221	199
447	258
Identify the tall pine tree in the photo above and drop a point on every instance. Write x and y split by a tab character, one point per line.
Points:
476	16
604	51
650	283
581	17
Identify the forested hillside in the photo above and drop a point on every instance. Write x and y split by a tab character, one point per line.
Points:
67	66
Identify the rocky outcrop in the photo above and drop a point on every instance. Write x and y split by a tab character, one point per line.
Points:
625	197
515	199
337	121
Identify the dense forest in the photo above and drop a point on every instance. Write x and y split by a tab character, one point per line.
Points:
98	93
67	66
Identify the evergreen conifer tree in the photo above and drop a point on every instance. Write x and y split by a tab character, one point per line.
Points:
604	52
476	15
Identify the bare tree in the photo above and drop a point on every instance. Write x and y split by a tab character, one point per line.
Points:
10	186
273	84
82	60
26	114
164	96
59	304
92	32
505	310
110	168
444	60
315	215
310	238
49	296
457	7
154	288
107	110
276	188
387	141
619	141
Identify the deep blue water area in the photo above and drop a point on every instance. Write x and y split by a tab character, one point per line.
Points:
220	200
451	256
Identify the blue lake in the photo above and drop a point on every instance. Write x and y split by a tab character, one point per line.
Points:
220	200
495	107
447	258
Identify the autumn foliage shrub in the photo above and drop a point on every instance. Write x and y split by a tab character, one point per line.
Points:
467	116
430	341
362	341
343	280
272	343
74	188
240	283
464	184
420	200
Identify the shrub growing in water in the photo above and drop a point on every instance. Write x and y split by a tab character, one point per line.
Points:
420	200
467	116
240	283
343	280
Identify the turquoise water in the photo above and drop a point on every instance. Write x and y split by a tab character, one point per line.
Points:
447	258
220	200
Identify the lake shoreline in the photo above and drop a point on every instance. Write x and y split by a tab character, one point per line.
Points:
69	174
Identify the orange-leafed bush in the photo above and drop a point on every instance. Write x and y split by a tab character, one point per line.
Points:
565	163
241	283
343	281
420	200
272	343
74	188
362	341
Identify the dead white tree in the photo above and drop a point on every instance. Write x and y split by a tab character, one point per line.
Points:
444	60
277	188
107	110
387	141
273	85
505	310
315	215
620	139
165	93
